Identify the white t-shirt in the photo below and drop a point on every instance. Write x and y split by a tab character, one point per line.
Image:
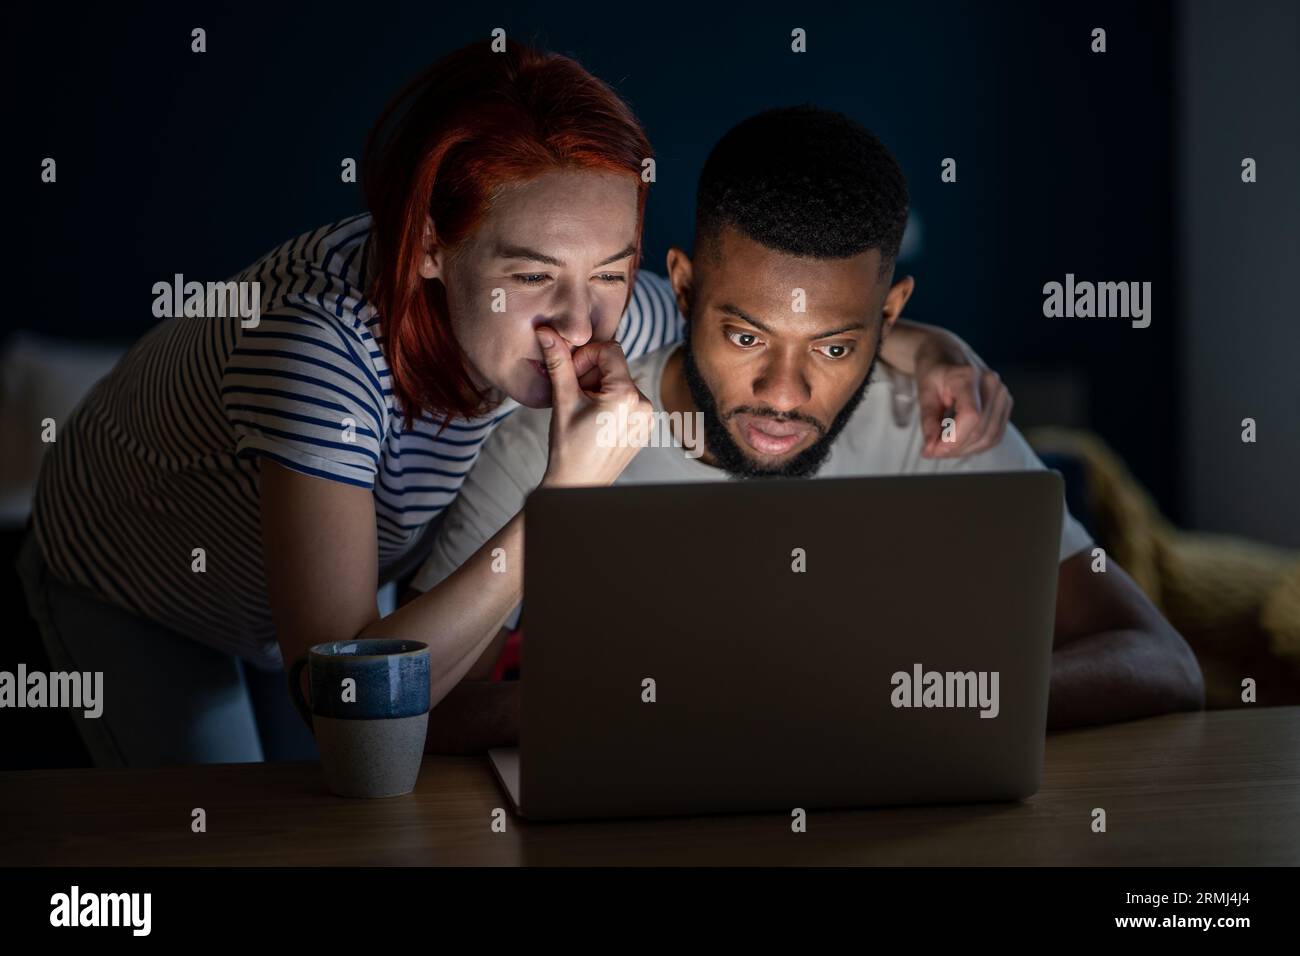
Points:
883	437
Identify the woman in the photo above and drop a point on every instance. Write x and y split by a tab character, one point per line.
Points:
235	491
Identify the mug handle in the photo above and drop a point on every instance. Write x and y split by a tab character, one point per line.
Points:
295	690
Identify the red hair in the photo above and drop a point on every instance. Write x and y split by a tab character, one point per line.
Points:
472	122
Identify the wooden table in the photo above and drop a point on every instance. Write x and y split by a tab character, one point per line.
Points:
1190	789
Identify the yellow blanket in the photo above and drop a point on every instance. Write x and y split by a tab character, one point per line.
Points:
1237	602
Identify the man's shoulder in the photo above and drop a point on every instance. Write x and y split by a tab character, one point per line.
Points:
884	436
647	371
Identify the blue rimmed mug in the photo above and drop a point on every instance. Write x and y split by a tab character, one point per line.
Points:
369	712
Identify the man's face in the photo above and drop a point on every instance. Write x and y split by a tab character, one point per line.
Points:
776	384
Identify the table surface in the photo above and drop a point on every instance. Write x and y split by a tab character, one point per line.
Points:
1212	788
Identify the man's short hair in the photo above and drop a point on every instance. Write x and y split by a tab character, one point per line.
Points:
804	181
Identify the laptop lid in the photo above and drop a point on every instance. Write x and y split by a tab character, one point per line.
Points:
773	644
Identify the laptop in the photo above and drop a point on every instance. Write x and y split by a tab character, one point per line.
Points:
768	645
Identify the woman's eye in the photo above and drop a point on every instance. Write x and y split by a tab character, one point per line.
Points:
834	351
530	278
745	340
611	277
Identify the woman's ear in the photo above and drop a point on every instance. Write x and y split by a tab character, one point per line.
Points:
431	260
681	273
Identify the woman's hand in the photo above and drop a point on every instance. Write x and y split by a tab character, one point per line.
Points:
952	382
599	418
964	405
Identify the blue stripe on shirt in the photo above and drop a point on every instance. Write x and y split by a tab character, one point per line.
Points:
163	454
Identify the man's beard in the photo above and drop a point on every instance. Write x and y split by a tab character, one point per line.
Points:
729	456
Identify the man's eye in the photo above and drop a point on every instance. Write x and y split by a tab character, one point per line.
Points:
837	351
530	278
745	340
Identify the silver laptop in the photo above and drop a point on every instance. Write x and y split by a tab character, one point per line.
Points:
767	645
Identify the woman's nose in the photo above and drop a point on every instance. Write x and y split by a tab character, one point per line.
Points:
573	317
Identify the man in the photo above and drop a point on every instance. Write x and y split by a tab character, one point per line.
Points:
800	214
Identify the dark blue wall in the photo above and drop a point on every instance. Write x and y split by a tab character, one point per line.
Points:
176	162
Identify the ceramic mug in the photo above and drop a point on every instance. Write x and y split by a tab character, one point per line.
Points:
369	712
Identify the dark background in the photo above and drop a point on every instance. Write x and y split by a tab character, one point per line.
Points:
1122	166
171	161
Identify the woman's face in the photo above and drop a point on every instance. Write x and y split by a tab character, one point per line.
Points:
557	250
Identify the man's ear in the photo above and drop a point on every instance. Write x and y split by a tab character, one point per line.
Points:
896	298
431	260
681	273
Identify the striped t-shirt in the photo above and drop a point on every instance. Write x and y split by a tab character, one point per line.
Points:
161	456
